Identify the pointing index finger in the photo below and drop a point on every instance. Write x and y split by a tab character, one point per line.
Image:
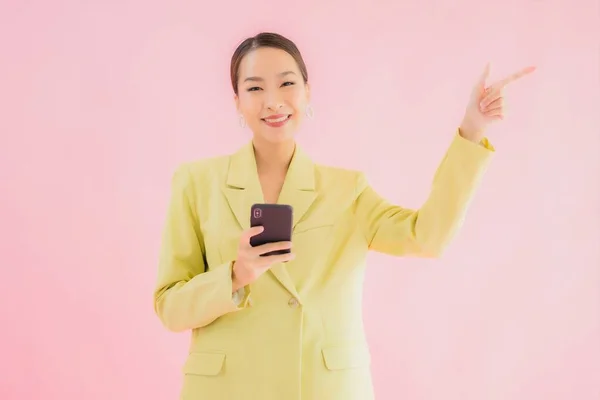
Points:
515	76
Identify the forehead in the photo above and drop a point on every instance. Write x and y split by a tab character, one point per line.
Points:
267	62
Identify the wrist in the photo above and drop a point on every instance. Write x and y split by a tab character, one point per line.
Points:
235	283
470	133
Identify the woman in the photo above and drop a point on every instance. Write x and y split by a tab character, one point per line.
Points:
289	327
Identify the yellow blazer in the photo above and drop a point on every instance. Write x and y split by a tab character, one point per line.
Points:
298	332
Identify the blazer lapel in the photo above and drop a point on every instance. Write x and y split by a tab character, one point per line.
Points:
298	191
242	188
299	188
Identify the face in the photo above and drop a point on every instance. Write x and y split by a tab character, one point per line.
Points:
272	96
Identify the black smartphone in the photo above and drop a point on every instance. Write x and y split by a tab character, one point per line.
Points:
277	220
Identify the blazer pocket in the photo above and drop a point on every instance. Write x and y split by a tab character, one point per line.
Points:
346	357
206	364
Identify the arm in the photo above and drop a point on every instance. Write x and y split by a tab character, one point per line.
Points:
187	294
425	232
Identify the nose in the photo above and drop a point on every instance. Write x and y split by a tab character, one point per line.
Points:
274	101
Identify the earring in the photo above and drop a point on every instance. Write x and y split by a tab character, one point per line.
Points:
310	113
242	121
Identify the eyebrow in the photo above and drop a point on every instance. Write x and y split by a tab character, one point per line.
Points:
259	79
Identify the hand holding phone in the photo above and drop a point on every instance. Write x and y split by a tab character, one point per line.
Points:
253	261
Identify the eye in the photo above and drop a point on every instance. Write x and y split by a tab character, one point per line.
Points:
253	89
288	83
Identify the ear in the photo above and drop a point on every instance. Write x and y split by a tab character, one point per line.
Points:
236	99
307	89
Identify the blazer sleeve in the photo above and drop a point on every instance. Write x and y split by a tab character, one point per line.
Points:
188	295
426	232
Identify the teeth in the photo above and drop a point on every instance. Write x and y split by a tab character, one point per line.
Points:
277	120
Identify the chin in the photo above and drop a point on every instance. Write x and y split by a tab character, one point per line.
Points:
277	137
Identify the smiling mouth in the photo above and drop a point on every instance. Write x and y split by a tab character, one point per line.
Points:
276	120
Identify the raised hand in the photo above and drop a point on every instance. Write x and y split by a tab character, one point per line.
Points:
486	104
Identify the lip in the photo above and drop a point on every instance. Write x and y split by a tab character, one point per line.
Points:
277	116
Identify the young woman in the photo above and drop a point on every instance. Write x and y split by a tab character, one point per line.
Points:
289	327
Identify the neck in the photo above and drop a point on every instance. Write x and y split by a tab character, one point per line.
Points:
273	157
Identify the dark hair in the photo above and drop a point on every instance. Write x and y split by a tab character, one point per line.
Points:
264	39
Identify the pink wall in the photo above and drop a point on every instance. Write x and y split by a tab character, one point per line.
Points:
100	100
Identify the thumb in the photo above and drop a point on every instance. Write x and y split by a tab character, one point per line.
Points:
484	76
253	232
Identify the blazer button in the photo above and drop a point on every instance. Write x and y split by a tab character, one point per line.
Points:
293	302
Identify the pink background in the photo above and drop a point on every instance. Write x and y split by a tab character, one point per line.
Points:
99	101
